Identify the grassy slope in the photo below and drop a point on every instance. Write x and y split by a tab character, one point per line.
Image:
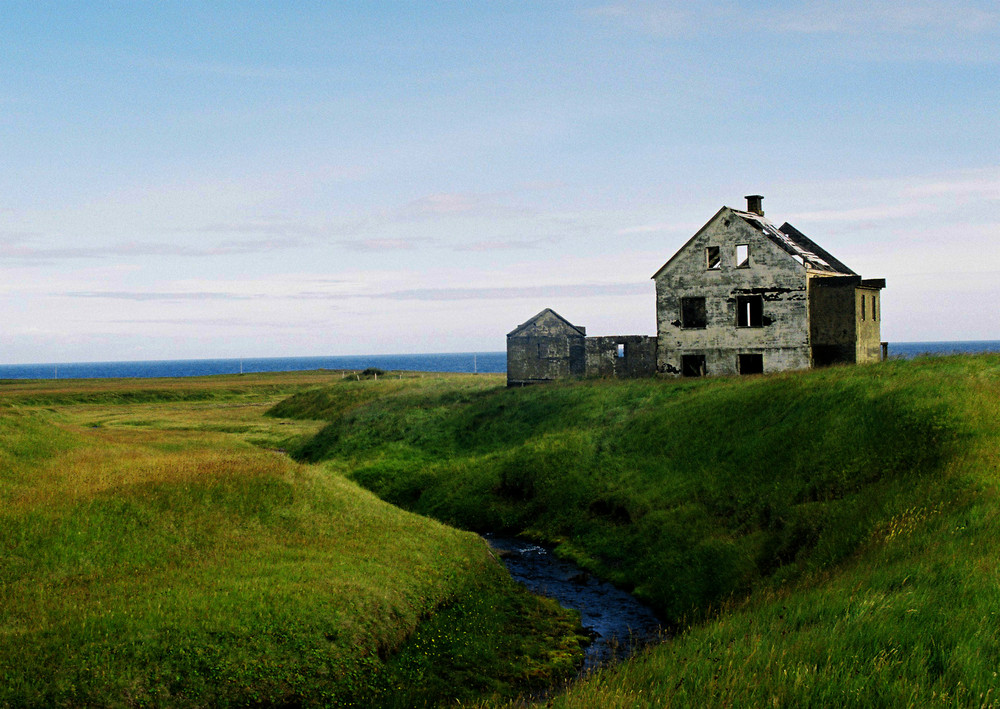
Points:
842	520
911	620
150	554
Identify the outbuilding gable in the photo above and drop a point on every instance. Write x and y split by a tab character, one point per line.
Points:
547	323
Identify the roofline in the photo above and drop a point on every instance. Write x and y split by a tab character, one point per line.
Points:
873	283
794	233
684	245
540	314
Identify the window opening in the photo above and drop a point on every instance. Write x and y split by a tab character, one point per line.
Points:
749	311
750	363
693	365
874	309
713	258
742	255
621	350
693	313
862	307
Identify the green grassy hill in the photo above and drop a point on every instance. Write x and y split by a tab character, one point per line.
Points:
817	538
820	537
155	551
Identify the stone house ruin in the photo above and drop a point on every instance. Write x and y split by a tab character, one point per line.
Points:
546	347
549	347
742	296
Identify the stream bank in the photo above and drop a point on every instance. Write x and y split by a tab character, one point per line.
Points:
618	623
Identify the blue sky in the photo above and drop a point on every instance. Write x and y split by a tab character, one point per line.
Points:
215	179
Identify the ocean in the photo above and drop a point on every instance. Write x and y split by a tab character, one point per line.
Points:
445	362
450	362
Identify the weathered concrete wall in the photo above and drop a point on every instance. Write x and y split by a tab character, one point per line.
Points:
869	324
541	359
546	347
638	356
833	319
770	274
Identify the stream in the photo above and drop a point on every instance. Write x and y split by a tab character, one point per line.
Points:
616	621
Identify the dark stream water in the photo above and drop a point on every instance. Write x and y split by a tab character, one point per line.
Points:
618	623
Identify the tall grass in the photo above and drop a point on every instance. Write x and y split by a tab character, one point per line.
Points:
823	538
689	493
148	556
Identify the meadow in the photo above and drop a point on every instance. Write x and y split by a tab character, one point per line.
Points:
158	548
814	538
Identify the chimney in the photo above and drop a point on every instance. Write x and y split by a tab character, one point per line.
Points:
753	204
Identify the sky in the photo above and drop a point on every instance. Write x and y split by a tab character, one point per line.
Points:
257	179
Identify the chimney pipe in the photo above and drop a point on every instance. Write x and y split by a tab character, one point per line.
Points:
754	204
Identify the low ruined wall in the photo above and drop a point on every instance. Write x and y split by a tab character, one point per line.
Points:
621	356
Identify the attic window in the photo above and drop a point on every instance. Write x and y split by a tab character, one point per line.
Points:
742	255
749	311
620	352
713	258
693	313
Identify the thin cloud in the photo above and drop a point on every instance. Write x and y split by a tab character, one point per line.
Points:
456	204
874	213
385	244
982	186
510	245
646	229
931	29
221	69
261	227
887	18
552	291
442	204
22	249
152	295
143	296
659	18
214	322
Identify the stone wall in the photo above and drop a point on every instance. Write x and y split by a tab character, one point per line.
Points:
869	324
543	358
833	319
544	348
770	287
621	356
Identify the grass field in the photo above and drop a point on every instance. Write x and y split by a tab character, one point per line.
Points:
158	549
819	538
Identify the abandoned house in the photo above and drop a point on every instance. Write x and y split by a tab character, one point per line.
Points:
742	296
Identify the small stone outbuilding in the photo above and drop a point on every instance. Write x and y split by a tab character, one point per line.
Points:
546	347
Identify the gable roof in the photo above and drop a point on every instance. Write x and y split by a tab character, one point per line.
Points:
787	238
548	311
796	243
696	234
